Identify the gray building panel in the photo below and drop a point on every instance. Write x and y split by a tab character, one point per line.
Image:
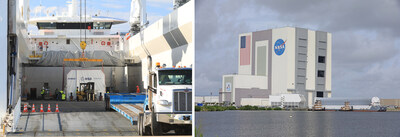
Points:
321	67
178	36
220	97
227	97
302	42
301	64
170	22
261	61
301	51
302	57
321	47
321	52
301	72
322	36
250	93
301	86
134	77
170	40
320	81
174	20
260	36
301	60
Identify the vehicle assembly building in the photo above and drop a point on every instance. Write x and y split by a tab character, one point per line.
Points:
278	62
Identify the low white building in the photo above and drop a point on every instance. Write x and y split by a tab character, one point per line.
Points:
207	99
261	102
287	100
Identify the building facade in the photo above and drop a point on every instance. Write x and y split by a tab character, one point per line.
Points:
281	61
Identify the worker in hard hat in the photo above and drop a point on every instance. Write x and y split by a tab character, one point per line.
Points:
58	96
62	95
77	93
42	93
137	89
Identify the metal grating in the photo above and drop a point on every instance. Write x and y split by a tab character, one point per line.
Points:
182	101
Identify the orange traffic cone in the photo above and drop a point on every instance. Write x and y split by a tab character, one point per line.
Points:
56	108
48	108
41	108
33	108
25	108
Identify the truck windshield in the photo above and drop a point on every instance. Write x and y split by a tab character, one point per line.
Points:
175	77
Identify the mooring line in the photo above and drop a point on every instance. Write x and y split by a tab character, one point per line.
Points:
59	121
26	123
43	123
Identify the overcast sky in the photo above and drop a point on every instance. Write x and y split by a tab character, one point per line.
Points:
365	46
156	9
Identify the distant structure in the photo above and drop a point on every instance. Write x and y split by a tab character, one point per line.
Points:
278	62
207	99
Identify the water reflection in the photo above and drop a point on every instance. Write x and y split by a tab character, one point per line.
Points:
298	123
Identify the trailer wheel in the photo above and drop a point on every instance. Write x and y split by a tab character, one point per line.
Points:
140	125
155	127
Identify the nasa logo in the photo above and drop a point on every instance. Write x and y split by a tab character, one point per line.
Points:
279	47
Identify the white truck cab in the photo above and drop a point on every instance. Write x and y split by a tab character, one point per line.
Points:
170	97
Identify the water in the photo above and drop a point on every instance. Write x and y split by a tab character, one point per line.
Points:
301	124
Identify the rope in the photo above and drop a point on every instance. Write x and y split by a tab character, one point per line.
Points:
85	22
80	21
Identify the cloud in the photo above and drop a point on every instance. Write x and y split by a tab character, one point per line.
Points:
366	42
160	1
161	4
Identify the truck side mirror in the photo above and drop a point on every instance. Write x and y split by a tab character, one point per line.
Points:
152	89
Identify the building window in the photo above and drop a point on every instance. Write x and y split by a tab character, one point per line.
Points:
102	25
73	25
320	94
321	59
321	73
46	25
68	41
243	42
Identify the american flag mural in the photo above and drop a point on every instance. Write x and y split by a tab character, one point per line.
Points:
245	50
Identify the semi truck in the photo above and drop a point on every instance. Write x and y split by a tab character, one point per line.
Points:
165	106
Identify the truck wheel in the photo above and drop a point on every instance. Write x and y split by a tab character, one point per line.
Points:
183	130
188	130
147	130
155	127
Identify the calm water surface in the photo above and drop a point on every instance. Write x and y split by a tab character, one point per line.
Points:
301	124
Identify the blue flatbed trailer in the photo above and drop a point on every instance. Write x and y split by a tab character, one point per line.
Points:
130	105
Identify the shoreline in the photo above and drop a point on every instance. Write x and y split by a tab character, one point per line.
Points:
255	108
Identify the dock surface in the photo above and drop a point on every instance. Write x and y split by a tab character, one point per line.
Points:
78	119
74	119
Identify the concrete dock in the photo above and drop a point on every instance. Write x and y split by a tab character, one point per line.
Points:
74	119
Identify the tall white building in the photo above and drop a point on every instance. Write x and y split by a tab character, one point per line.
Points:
280	61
